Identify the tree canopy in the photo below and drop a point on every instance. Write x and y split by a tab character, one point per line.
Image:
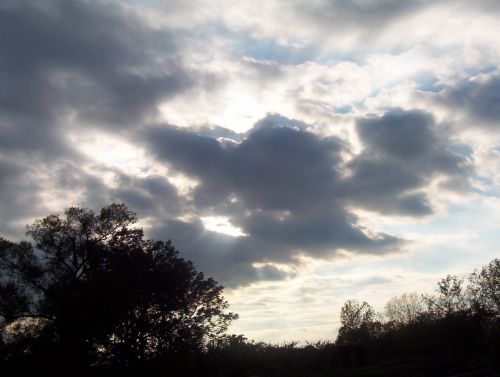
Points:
357	320
460	320
404	309
93	287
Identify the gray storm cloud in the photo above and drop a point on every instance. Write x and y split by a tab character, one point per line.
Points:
100	67
283	186
478	98
402	154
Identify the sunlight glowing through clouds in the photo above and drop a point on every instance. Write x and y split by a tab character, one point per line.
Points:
221	224
301	153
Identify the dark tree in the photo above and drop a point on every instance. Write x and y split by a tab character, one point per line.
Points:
484	288
404	309
450	300
357	322
100	293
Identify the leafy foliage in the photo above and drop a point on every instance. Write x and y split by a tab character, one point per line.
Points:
456	321
484	288
404	309
357	322
94	287
450	300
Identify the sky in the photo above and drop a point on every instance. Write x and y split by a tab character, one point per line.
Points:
302	153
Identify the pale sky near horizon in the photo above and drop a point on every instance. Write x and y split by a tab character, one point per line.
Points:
300	152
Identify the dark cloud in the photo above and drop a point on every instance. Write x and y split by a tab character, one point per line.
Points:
399	134
66	65
152	195
227	258
402	153
287	188
361	23
277	120
69	65
233	260
219	133
26	188
20	197
362	14
88	61
361	20
480	99
273	168
317	232
281	185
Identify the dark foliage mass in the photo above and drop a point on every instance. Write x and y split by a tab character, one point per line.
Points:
459	322
455	332
92	296
92	293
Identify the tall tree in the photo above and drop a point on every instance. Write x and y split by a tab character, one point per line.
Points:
404	309
357	321
99	289
484	288
450	299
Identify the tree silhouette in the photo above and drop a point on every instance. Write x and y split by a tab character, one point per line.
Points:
97	291
450	300
357	322
484	288
456	323
404	309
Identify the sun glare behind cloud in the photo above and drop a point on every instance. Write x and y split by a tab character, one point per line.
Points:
221	224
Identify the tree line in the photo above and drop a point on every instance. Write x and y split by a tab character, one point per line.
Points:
91	296
461	319
455	331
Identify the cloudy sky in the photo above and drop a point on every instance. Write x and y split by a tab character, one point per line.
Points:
300	152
